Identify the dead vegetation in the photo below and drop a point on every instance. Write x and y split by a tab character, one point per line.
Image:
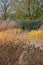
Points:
18	36
13	54
21	48
8	24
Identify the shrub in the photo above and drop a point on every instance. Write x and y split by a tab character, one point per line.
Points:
30	25
23	25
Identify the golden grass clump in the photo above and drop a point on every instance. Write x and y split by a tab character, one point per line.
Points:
36	34
9	35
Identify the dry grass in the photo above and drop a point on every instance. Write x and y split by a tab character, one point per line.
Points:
17	36
33	37
9	35
17	47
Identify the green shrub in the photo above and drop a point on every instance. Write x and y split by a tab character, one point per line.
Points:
30	25
22	25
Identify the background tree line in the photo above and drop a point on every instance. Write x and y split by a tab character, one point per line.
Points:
22	9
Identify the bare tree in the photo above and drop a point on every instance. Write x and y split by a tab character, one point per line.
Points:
5	4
